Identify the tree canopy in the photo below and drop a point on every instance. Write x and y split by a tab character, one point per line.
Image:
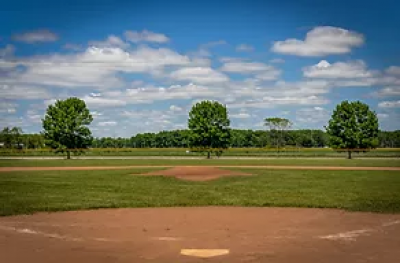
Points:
209	126
65	126
353	127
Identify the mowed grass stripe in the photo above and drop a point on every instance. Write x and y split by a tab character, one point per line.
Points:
212	162
22	192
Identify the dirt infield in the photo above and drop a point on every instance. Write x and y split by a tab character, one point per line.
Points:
197	173
271	235
272	167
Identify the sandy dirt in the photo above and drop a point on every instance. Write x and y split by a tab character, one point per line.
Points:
274	167
200	173
270	235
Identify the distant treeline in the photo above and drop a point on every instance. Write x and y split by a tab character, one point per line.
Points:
14	138
239	139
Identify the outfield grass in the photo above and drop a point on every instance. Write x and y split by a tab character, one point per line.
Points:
215	162
28	192
272	152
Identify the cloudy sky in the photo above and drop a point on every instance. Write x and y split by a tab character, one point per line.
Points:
141	65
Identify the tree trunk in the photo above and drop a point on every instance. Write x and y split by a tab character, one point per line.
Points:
208	155
349	155
68	155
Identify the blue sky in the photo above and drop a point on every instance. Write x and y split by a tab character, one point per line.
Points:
141	65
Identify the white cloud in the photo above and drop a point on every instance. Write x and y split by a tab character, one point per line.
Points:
95	67
271	102
389	104
344	70
7	51
262	71
98	102
72	46
23	92
204	49
175	108
107	123
96	113
111	41
321	41
7	107
393	70
383	115
277	60
240	115
95	94
201	75
244	47
145	36
245	67
33	116
42	35
387	92
312	115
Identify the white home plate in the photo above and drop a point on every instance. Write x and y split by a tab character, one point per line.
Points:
204	253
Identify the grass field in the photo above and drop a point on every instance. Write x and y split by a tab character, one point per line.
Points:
28	192
214	162
288	152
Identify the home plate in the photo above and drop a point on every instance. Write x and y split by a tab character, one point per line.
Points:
204	253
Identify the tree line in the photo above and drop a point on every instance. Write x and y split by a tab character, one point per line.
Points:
13	138
353	127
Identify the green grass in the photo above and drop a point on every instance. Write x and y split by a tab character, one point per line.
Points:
29	192
286	161
288	152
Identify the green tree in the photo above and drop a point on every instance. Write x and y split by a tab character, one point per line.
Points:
353	127
277	126
209	126
65	126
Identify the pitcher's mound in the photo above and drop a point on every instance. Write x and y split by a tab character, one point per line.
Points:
196	173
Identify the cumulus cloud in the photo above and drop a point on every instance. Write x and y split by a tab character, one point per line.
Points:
7	51
387	92
23	92
201	75
98	102
95	67
145	36
383	115
277	60
271	102
240	115
389	104
72	46
393	70
244	47
8	107
111	41
107	123
261	70
312	115
320	41
175	108
344	70
41	35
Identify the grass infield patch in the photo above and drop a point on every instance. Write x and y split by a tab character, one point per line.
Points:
28	192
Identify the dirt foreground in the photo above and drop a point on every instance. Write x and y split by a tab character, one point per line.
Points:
208	234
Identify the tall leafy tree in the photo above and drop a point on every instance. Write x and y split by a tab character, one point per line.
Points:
277	126
209	126
353	127
65	126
